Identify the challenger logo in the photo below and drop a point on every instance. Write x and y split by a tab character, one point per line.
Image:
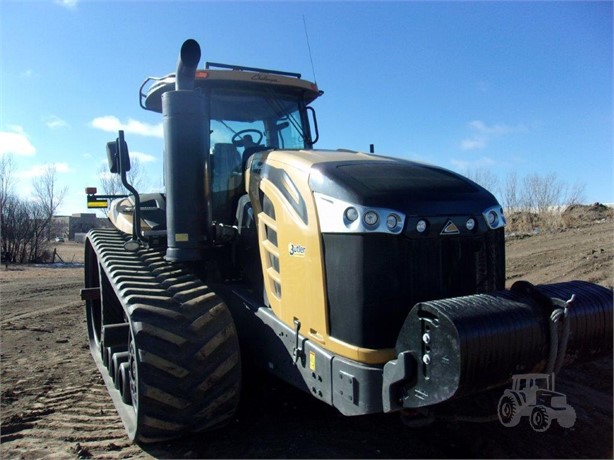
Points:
450	229
296	250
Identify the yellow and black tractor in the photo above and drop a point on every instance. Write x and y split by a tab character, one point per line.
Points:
373	283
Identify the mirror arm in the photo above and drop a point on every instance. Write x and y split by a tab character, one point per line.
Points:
122	153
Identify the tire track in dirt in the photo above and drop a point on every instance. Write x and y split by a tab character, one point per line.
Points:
57	402
585	253
67	422
67	419
8	320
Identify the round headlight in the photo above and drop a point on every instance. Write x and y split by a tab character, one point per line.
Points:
470	224
371	218
351	214
493	219
392	221
421	226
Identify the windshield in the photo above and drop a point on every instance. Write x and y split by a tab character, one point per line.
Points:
274	119
243	123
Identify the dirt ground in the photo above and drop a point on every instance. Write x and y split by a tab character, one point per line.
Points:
54	403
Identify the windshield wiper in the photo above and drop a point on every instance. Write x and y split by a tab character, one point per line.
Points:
279	108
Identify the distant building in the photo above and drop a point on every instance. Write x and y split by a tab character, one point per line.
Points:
67	226
80	237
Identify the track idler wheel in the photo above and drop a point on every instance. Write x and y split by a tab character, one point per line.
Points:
114	370
123	382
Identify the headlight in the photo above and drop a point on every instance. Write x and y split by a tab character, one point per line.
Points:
421	226
371	218
470	224
392	222
351	214
338	216
494	217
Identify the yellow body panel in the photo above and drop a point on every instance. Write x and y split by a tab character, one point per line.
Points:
300	292
120	215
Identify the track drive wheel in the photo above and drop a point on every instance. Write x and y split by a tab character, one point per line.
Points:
184	368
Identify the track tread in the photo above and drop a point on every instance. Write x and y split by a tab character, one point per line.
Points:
188	351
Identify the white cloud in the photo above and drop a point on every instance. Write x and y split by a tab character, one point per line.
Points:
465	165
142	157
473	143
39	170
112	124
54	122
482	134
16	141
69	4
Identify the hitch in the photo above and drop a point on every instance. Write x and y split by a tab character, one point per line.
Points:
297	352
460	346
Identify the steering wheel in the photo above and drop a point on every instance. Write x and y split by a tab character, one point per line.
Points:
237	139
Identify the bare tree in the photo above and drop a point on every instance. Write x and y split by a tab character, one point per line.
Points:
111	184
484	177
575	194
6	195
24	230
48	195
7	180
47	192
542	194
510	193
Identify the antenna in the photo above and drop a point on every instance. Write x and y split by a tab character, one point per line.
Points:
309	48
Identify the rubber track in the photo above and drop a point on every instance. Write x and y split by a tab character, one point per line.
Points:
189	369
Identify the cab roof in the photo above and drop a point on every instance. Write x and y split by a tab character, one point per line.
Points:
230	76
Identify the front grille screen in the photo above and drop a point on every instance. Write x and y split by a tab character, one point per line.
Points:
374	280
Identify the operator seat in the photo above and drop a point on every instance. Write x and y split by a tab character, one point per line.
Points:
250	147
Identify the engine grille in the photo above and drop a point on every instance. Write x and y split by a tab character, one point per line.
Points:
374	280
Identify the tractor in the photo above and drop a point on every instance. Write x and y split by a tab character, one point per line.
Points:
373	283
533	395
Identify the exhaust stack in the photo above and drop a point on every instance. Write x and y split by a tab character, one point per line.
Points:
186	160
186	65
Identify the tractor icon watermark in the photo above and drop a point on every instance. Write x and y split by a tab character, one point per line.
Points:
533	395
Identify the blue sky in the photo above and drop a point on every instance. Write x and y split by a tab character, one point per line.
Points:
506	86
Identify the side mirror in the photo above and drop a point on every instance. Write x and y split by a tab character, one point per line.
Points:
314	123
115	149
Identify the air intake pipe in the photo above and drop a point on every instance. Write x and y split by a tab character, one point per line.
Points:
186	161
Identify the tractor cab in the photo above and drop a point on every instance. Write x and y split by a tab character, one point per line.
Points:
247	110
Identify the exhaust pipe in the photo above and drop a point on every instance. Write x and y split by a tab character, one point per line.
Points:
186	161
186	65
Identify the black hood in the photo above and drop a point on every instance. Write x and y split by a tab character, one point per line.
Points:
412	188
